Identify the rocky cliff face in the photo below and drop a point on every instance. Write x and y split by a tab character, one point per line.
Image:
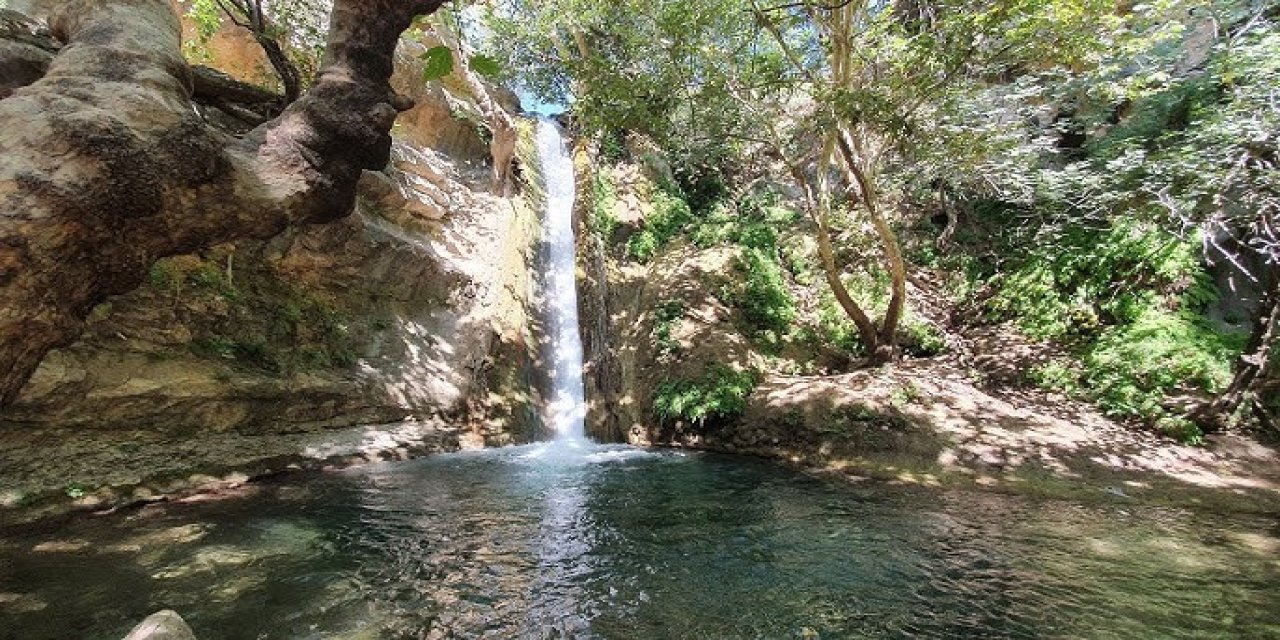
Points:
415	308
646	323
409	308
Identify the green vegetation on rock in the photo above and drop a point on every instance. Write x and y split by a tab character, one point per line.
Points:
257	321
764	299
719	394
670	215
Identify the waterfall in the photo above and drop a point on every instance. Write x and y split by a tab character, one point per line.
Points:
566	411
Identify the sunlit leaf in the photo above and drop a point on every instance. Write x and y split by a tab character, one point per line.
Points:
437	63
485	65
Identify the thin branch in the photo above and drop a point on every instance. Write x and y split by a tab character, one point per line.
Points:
808	5
232	11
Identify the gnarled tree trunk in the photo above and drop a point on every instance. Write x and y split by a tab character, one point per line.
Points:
1251	368
105	167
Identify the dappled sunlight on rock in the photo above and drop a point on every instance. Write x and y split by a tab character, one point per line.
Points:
924	413
172	536
280	538
206	560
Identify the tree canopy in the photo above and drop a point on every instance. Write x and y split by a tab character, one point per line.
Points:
1132	145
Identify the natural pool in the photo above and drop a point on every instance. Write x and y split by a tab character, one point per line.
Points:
609	542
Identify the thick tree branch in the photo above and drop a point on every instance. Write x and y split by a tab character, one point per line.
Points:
26	53
105	167
213	85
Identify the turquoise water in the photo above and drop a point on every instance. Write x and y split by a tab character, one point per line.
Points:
608	542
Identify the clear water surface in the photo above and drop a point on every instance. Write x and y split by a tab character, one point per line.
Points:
579	541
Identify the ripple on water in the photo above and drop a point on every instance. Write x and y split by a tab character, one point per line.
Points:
614	542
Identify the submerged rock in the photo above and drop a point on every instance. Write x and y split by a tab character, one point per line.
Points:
162	625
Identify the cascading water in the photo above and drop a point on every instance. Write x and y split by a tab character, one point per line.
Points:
566	411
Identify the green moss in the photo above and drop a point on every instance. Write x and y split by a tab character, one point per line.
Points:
268	325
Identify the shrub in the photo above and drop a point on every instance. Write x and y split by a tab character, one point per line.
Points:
666	316
749	222
163	276
1180	429
922	339
764	299
718	226
1057	375
1131	368
605	197
702	178
613	145
758	235
643	246
1087	278
719	394
670	214
835	327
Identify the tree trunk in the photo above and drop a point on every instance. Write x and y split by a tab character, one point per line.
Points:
866	329
105	167
290	78
822	223
894	262
1213	416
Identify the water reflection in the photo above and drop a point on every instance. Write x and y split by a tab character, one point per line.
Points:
564	561
539	542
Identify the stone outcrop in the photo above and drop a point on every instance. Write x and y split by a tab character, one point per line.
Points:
415	308
619	301
405	310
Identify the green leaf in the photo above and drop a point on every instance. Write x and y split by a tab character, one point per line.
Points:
438	63
485	66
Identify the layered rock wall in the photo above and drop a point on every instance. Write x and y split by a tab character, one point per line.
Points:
418	307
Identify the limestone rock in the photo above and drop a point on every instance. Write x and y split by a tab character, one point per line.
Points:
418	306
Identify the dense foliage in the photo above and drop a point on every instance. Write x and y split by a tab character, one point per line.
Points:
720	393
1092	173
